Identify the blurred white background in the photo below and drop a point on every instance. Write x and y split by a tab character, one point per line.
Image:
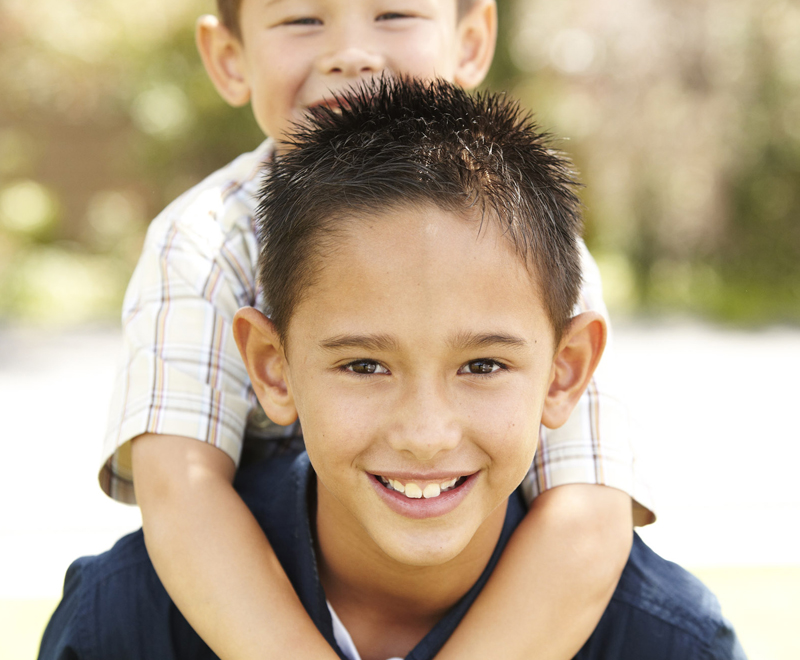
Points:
716	431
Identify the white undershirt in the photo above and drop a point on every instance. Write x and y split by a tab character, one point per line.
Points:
343	638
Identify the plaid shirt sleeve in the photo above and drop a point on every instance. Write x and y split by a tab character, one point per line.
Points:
180	371
594	445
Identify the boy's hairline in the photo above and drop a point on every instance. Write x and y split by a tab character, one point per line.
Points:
470	215
228	11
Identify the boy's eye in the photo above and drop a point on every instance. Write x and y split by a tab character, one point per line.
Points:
481	367
390	15
366	367
306	20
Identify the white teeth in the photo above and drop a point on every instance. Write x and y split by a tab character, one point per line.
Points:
431	490
413	491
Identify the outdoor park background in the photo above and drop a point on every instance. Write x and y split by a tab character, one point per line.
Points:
683	117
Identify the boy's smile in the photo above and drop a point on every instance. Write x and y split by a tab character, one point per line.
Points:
296	54
418	361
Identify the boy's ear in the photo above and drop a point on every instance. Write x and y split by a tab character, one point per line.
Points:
263	356
223	57
477	36
576	359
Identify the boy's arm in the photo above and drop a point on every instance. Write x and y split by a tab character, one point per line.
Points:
554	579
213	557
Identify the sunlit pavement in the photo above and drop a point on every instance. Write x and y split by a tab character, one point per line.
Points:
717	432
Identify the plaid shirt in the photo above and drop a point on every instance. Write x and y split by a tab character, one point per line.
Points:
181	373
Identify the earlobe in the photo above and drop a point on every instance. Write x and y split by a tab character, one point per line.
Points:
576	358
223	59
477	35
263	356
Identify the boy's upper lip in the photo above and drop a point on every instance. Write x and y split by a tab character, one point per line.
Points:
332	103
423	477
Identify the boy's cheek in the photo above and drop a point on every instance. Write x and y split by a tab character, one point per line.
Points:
332	416
510	412
508	430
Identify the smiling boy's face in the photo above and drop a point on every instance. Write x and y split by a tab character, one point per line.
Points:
295	54
418	361
421	348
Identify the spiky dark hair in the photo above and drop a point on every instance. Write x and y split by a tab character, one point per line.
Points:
228	11
404	143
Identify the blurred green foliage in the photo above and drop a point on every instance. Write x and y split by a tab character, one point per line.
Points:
683	117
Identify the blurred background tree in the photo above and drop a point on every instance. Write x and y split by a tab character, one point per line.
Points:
682	115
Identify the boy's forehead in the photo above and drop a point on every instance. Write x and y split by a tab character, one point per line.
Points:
455	8
346	3
425	225
420	255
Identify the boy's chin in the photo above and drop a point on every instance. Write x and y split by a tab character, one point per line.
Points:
434	542
426	549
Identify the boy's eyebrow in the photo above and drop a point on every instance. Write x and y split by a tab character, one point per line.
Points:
472	340
461	341
367	342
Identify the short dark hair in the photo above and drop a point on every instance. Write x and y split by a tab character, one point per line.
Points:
399	143
229	13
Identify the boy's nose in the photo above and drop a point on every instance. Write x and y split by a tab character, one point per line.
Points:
352	61
424	424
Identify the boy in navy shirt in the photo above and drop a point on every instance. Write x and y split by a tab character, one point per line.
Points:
183	412
421	258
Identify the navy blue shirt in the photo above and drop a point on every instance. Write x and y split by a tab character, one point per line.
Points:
114	606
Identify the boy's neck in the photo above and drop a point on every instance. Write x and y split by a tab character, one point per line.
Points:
388	607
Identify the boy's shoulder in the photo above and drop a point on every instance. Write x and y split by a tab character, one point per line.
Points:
661	611
222	203
238	179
